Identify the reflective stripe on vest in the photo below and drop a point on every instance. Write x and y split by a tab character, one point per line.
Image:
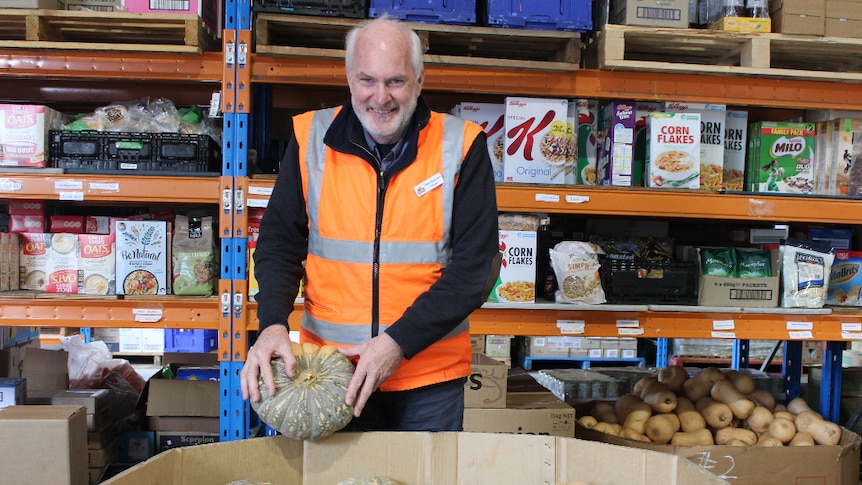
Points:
362	252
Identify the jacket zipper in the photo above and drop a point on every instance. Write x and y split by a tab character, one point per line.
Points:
375	264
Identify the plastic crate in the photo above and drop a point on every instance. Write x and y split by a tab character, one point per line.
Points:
134	153
182	340
567	15
646	282
328	8
426	11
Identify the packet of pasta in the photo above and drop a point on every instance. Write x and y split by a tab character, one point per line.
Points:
576	266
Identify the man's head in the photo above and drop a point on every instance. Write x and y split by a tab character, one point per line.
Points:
385	75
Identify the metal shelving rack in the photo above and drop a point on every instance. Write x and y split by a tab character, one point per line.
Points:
237	68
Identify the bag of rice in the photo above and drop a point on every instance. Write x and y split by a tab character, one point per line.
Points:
805	269
576	266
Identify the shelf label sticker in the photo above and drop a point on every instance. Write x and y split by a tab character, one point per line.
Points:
68	185
629	331
728	335
851	327
628	323
147	315
571	327
851	335
577	199
11	185
105	186
720	325
553	198
800	335
260	203
257	190
74	195
800	326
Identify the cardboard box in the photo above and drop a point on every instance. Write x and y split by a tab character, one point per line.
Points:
588	115
804	17
821	464
13	391
616	136
742	24
742	292
143	255
845	279
675	150
781	157
416	458
43	444
843	19
44	370
526	413
24	133
735	141
46	4
491	117
498	345
166	440
550	346
650	13
478	343
172	397
712	120
486	386
536	145
94	5
208	10
517	280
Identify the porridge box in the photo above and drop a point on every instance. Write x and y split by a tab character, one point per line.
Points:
96	264
674	150
536	142
142	257
33	261
62	263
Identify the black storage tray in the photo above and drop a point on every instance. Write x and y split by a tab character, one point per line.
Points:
649	282
134	153
357	9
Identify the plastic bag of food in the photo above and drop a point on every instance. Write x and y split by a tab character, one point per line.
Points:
91	366
576	266
805	269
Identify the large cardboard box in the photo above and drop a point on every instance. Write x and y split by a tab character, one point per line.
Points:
486	386
525	413
798	16
650	13
843	19
172	397
43	444
742	292
821	464
417	459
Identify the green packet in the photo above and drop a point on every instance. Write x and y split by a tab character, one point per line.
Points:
718	262
753	263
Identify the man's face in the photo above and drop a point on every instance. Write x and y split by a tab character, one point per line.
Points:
383	85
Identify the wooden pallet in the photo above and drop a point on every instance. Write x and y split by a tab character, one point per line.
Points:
117	31
620	47
317	37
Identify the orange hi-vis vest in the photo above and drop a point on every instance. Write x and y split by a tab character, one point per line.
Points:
364	244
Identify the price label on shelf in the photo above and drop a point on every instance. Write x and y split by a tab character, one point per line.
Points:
851	327
11	185
851	335
800	326
258	203
258	190
74	195
722	325
68	185
571	327
577	199
726	335
553	198
800	335
147	315
629	332
105	186
628	323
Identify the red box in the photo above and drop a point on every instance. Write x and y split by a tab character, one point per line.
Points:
27	207
73	224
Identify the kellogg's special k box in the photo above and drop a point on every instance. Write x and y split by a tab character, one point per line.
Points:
490	116
536	141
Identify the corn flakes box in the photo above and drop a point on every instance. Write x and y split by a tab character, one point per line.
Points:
735	136
712	120
674	150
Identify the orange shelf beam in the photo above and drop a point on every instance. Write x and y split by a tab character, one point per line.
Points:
111	188
150	66
587	83
186	312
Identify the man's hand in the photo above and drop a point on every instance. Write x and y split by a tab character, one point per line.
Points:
272	342
378	359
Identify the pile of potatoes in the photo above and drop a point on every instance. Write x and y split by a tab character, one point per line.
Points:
711	408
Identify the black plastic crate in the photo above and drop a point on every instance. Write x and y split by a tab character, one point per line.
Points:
646	282
329	8
134	153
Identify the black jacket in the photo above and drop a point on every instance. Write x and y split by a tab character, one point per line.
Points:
282	244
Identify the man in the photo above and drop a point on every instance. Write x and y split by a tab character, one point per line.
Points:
393	208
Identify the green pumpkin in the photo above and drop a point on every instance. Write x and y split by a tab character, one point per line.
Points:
311	405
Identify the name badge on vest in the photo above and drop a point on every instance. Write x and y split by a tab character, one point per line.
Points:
429	184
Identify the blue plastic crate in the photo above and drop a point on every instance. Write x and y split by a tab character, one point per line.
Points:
426	11
566	15
182	340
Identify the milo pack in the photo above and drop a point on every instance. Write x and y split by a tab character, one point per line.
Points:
781	157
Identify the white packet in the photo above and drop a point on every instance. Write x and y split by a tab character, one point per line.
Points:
576	266
805	269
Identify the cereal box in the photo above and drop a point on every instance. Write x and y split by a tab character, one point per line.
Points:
674	150
97	264
62	264
841	154
735	130
24	134
587	138
616	128
535	142
5	262
823	165
142	257
845	279
781	157
518	245
14	258
642	112
712	120
33	261
490	117
571	173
